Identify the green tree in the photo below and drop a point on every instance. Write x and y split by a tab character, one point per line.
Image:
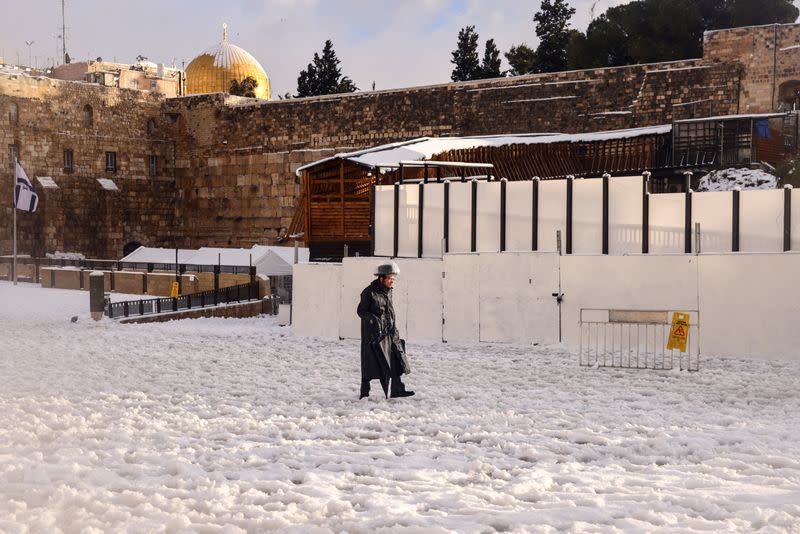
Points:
552	28
490	67
323	76
465	56
522	60
244	87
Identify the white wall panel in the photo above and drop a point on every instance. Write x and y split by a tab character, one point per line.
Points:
518	215
667	216
643	282
316	299
796	219
515	297
418	293
357	273
749	305
460	216
625	215
761	221
714	212
408	221
433	220
460	297
552	213
384	220
488	217
587	216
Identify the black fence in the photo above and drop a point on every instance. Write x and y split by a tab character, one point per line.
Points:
203	299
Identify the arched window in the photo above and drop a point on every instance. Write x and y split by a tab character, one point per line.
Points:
151	127
88	116
13	113
789	95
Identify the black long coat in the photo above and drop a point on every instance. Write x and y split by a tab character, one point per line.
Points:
378	330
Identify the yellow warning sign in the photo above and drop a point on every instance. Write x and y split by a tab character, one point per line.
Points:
679	332
174	293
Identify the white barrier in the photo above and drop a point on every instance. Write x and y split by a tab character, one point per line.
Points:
746	304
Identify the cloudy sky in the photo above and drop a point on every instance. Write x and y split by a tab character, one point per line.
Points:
393	43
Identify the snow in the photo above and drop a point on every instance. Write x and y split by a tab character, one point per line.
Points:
793	47
268	260
47	182
728	179
107	184
223	425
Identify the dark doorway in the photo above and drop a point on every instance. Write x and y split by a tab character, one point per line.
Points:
130	247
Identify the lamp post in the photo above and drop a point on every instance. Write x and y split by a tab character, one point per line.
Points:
29	43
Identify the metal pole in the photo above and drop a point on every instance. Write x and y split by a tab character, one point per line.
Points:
14	209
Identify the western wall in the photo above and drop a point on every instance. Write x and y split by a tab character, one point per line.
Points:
225	165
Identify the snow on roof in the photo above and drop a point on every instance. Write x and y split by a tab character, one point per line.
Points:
391	154
157	255
269	260
734	117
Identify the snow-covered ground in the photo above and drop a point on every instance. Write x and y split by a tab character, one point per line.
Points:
728	179
221	425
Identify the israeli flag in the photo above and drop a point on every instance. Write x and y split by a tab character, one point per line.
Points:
25	198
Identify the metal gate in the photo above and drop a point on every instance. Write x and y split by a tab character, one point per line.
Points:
635	339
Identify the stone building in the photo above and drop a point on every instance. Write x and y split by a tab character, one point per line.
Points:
143	75
217	170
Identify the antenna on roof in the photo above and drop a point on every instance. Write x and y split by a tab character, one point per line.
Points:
224	31
63	33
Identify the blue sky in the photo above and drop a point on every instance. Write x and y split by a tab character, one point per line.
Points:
393	43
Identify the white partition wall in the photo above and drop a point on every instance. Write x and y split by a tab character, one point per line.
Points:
316	299
761	221
488	217
552	213
460	217
418	299
625	215
587	216
750	304
667	223
714	212
515	297
795	229
357	273
408	221
433	220
384	220
460	298
518	216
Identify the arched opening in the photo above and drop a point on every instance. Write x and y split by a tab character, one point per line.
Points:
88	116
13	113
130	247
151	127
789	95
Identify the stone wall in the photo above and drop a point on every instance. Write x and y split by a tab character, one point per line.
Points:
770	57
81	216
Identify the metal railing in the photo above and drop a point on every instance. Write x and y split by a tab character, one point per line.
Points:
631	345
203	299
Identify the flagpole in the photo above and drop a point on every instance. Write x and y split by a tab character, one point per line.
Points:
14	209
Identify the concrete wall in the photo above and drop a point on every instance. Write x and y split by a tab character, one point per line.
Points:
746	305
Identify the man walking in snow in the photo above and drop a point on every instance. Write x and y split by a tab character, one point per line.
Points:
383	355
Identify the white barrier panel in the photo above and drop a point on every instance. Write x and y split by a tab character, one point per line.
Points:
552	213
750	305
625	215
667	220
316	299
460	217
384	220
515	297
640	282
418	295
587	216
433	220
518	215
357	273
714	212
795	219
408	221
460	297
761	221
488	217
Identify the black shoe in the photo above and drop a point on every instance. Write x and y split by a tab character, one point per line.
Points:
403	394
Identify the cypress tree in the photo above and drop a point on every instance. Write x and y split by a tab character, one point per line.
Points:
465	56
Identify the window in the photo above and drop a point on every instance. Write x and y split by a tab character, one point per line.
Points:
13	154
111	161
153	165
151	127
68	156
13	113
88	116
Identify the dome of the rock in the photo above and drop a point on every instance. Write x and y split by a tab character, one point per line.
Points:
214	69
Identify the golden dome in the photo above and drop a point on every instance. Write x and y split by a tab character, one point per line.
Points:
213	70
